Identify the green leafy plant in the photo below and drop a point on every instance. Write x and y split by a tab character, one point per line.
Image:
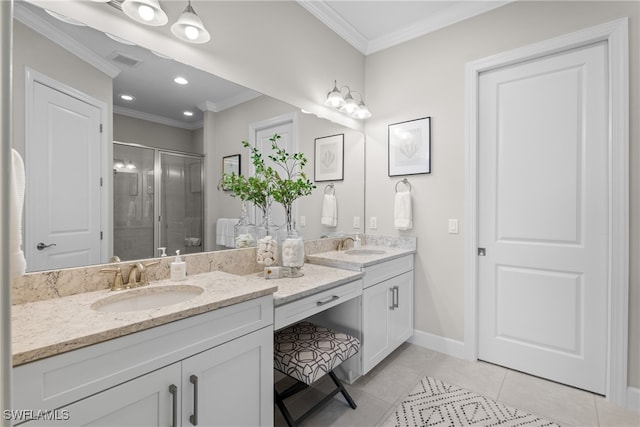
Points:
268	183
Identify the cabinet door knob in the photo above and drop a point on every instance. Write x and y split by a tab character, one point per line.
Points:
174	417
193	419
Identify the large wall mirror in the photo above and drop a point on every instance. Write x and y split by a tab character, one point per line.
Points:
93	67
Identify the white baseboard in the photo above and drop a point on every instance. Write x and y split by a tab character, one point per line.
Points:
633	399
444	345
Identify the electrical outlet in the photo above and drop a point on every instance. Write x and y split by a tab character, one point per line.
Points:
373	222
453	226
303	221
356	222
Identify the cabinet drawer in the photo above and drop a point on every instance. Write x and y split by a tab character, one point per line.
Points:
386	270
295	311
59	380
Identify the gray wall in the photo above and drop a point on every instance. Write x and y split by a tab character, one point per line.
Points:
432	84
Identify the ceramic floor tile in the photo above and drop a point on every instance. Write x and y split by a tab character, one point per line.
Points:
479	377
565	405
613	415
389	383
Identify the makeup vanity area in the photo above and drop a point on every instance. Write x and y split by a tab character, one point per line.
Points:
207	360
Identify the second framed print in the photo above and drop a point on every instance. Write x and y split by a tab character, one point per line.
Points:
410	147
329	158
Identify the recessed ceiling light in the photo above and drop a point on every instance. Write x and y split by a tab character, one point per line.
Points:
126	97
119	39
65	18
188	113
181	80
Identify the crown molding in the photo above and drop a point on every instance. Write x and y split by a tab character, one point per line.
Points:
37	24
238	99
156	119
455	13
333	20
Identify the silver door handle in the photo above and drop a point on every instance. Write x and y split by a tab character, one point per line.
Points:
40	246
174	417
193	419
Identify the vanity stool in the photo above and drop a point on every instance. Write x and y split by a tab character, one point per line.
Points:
306	352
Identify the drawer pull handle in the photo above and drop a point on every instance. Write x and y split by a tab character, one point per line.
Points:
328	300
174	391
193	419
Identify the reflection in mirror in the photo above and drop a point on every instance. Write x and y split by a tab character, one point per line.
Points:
223	116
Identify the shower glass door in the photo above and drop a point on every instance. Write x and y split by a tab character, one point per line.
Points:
158	201
181	203
133	202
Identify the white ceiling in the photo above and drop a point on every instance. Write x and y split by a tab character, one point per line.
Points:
368	25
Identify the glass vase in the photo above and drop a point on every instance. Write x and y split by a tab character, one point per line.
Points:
292	248
244	232
267	235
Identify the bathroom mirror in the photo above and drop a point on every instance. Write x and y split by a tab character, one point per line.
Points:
234	121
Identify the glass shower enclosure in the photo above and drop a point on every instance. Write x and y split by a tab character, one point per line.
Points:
158	201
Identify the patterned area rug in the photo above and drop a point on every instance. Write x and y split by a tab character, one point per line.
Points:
435	403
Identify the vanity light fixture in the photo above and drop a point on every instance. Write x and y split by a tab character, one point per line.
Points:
346	103
189	27
130	165
118	164
147	12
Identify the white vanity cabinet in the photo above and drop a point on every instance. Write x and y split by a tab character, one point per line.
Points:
210	369
387	309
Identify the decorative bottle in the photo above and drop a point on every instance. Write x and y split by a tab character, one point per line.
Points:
244	231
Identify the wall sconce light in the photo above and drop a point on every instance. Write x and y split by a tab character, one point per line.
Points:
188	27
146	12
346	103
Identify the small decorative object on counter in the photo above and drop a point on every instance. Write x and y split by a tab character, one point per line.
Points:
178	268
267	252
243	231
272	272
163	251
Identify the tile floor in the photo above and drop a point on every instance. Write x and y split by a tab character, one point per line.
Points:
381	390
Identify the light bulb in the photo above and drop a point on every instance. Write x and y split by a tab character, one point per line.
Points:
191	32
145	12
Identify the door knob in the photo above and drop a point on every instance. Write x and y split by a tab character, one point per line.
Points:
40	246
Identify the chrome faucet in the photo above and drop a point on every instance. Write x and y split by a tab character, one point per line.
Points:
342	242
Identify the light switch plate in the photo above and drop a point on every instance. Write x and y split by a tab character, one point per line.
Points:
303	221
356	222
453	226
373	222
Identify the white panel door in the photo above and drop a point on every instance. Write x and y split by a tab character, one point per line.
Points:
63	168
543	201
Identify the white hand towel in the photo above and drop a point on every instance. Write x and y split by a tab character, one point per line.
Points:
402	217
224	232
329	215
17	263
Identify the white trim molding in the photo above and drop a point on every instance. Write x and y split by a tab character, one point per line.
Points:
615	34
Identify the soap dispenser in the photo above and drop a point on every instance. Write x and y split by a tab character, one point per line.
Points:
178	268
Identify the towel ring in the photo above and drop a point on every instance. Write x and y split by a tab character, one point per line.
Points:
331	188
404	181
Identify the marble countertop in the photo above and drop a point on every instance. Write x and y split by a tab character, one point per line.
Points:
46	328
341	259
317	278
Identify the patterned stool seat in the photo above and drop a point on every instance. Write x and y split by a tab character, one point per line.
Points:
307	352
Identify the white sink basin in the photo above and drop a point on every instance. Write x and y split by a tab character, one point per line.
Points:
146	298
364	252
